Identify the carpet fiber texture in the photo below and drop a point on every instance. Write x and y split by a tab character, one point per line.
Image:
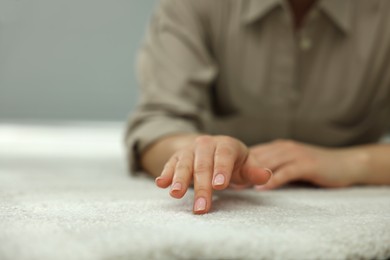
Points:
65	194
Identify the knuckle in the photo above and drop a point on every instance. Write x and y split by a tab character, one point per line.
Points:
175	158
202	167
201	189
225	139
182	154
179	179
279	141
225	151
183	168
203	139
167	166
221	168
290	144
285	142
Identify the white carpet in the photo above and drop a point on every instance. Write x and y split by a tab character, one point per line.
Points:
65	194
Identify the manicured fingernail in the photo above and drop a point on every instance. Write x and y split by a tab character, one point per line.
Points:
219	179
269	170
200	204
176	187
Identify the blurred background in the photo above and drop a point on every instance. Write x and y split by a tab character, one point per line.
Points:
70	59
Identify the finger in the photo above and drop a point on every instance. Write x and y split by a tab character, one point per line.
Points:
183	174
264	148
283	176
225	157
203	171
253	173
165	179
273	155
276	159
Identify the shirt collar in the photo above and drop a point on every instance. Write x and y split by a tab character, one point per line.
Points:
254	10
338	11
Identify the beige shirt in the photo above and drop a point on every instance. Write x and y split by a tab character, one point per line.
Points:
238	68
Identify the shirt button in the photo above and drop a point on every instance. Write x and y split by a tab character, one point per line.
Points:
305	44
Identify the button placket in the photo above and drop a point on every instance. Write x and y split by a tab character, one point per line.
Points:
305	37
283	73
305	41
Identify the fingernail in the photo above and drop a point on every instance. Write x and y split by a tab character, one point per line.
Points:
157	179
269	171
200	204
176	187
219	179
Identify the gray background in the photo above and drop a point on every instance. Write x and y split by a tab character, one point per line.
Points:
70	59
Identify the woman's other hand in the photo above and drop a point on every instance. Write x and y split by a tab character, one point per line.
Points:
294	161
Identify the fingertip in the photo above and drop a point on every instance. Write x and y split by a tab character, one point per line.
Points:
177	190
201	206
157	181
177	194
161	182
220	182
260	176
271	173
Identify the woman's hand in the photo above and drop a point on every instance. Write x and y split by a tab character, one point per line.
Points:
212	163
294	161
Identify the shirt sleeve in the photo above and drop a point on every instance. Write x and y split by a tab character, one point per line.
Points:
175	70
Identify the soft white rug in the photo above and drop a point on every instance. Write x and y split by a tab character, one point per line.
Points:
65	194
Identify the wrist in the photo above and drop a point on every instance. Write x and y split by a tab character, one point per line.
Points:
358	166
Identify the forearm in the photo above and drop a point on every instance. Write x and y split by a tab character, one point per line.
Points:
154	157
371	163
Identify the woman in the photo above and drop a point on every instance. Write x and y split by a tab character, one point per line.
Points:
249	92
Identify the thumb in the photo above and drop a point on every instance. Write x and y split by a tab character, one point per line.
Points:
253	172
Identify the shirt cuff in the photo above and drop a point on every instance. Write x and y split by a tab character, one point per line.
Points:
141	137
